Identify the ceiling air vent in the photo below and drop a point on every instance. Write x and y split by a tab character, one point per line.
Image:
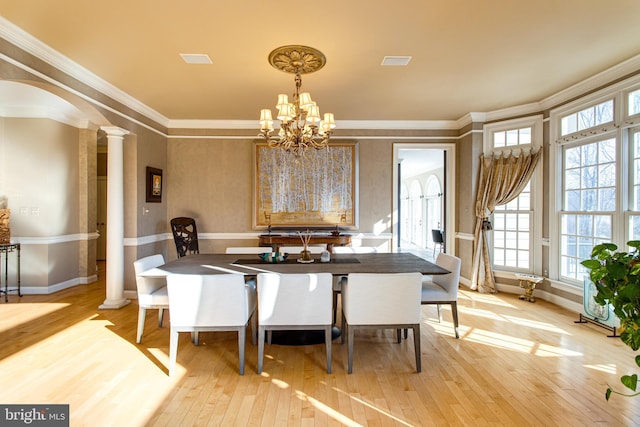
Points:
395	60
196	58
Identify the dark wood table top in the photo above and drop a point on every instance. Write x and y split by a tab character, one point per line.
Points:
340	265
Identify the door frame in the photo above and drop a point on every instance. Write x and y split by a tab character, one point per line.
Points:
448	190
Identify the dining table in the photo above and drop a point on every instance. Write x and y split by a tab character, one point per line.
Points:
250	265
339	264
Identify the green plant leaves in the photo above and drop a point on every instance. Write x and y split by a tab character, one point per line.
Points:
616	276
630	381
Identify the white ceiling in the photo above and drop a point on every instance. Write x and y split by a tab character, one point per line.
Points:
467	55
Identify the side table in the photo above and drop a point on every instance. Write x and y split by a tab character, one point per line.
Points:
528	282
5	249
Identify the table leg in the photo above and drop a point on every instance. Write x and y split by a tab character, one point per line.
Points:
528	290
19	290
6	281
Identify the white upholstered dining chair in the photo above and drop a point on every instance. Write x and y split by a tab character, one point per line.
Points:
339	280
381	301
152	291
293	302
443	288
215	302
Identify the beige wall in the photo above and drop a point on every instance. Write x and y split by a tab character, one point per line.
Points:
40	175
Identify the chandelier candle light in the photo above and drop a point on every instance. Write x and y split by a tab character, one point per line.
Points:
301	126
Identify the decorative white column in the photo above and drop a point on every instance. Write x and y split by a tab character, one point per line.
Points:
115	218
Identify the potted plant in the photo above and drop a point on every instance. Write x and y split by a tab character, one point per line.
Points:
616	276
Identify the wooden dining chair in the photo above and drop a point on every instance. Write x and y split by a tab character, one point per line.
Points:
381	301
294	302
185	235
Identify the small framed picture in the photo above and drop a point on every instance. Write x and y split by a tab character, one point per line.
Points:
154	185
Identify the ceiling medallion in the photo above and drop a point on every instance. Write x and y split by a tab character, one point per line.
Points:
300	123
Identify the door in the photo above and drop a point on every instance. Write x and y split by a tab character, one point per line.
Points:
431	165
101	226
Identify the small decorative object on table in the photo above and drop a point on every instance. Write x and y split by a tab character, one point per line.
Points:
305	255
528	282
5	213
273	257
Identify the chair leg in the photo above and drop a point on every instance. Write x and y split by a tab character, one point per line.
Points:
335	307
173	350
160	313
399	335
254	328
327	342
142	313
260	347
439	314
454	312
350	350
416	345
242	336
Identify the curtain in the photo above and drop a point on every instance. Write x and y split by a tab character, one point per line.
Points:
501	180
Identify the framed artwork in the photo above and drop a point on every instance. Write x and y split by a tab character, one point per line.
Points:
317	189
154	185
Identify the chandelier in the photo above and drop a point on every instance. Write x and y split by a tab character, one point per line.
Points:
300	123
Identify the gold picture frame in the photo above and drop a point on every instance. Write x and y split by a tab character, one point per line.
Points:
316	189
154	185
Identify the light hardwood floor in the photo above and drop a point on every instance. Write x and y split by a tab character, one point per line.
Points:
516	363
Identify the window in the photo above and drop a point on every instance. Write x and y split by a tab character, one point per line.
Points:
634	102
512	245
434	206
634	214
512	232
589	200
589	117
512	137
596	183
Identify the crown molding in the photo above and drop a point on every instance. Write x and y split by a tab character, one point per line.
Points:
37	48
604	78
342	124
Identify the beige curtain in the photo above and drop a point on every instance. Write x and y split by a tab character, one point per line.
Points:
502	179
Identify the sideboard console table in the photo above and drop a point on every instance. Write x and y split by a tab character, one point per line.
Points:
277	240
5	249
